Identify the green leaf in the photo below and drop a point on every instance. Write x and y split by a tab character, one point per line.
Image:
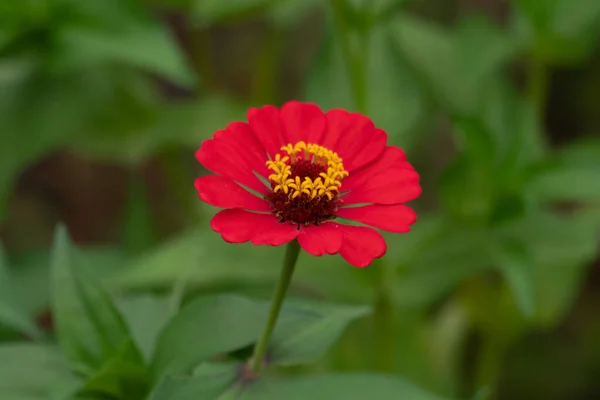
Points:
561	247
123	376
145	316
394	101
447	260
559	31
455	66
90	329
34	372
574	175
214	325
516	264
12	313
308	335
146	46
567	184
208	382
518	136
348	386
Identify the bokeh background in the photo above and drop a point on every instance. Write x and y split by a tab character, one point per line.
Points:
104	102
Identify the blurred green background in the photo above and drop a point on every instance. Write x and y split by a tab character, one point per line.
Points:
104	102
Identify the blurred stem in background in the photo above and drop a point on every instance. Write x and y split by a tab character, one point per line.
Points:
538	85
266	78
355	58
354	61
178	177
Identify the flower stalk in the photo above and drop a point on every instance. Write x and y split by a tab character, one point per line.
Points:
289	264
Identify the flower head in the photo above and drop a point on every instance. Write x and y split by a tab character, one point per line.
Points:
298	173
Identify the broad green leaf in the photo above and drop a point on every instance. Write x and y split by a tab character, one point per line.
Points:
516	264
12	313
146	46
565	183
573	175
123	376
145	316
34	372
214	325
90	329
561	246
348	386
308	336
208	382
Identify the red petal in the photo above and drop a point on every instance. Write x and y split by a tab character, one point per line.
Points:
223	192
220	157
354	137
361	245
247	147
266	125
392	218
321	239
387	180
302	122
239	226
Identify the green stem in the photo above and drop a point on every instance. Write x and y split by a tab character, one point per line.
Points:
355	63
289	264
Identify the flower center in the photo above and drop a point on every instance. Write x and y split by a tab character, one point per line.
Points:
306	183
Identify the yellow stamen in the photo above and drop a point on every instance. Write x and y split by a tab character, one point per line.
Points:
326	184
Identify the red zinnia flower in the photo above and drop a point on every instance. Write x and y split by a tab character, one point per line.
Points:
294	173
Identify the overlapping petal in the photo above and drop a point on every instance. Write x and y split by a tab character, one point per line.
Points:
321	239
266	126
392	218
240	226
387	180
361	245
354	137
220	157
241	138
223	192
302	122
